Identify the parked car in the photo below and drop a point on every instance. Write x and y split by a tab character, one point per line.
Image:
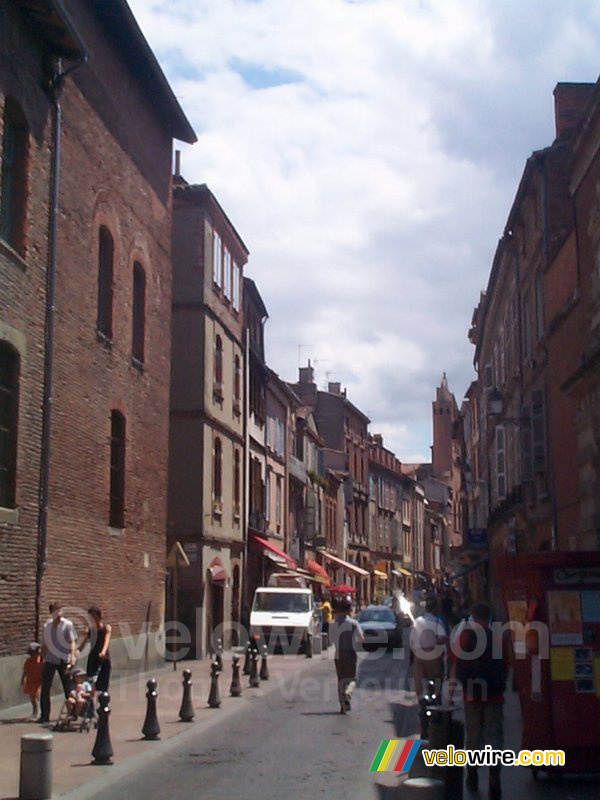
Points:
381	627
284	617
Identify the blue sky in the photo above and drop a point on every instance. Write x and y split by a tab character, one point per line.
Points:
368	153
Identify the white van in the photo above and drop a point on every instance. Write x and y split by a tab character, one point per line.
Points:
284	616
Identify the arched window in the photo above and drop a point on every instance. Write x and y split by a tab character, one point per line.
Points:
237	384
117	470
218	383
9	413
105	282
138	320
218	471
13	200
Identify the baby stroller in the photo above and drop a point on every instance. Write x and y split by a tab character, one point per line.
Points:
78	712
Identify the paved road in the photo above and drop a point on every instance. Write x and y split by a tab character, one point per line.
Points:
293	740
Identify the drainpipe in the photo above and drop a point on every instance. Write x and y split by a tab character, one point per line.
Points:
54	90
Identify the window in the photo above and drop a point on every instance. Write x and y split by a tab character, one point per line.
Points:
13	201
236	287
138	313
500	463
227	273
9	409
117	470
526	325
218	382
217	256
218	473
538	430
236	483
105	282
278	504
539	306
268	495
237	385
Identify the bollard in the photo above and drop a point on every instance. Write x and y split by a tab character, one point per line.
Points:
151	728
214	696
247	658
35	771
254	679
235	690
443	731
264	667
186	712
102	751
422	789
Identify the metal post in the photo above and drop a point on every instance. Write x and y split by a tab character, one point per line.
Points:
186	712
103	751
151	728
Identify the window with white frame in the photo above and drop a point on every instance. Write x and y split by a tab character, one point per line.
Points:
278	501
227	273
217	258
236	287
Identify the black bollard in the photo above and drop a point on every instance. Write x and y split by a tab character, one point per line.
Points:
214	696
103	751
151	728
247	658
219	655
186	712
264	667
254	679
235	690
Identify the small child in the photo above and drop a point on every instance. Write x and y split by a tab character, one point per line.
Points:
31	680
79	694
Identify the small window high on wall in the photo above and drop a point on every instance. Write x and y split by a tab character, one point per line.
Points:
13	197
105	282
117	470
138	320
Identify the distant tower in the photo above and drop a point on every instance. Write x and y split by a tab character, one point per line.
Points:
444	411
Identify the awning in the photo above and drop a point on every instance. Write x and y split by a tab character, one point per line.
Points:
380	574
400	570
274	549
346	564
218	573
318	570
468	569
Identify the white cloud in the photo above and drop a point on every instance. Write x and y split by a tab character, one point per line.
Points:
368	154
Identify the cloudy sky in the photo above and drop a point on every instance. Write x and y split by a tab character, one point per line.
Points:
368	152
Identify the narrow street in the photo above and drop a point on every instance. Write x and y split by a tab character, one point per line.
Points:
293	739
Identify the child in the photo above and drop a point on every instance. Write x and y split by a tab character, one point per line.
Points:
79	694
31	680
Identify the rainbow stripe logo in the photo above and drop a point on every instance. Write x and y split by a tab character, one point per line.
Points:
395	755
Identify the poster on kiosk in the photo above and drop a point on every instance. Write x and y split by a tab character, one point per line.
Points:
552	601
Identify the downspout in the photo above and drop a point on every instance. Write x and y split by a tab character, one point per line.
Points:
54	90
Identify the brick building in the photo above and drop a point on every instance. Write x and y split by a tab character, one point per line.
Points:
94	268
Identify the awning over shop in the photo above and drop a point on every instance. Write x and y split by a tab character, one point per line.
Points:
340	562
400	570
470	568
318	571
272	548
380	574
218	573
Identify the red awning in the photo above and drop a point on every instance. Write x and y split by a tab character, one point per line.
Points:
317	569
218	573
274	549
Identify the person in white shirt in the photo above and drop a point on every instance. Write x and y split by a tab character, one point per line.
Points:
346	636
428	640
58	654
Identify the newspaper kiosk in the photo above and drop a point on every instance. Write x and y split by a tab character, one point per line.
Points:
554	599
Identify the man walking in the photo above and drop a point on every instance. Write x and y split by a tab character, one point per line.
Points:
346	636
483	679
428	641
58	654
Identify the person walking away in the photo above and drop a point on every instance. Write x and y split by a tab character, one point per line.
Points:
58	655
98	664
31	679
483	680
428	640
346	636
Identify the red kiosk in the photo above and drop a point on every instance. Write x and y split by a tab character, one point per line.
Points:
556	657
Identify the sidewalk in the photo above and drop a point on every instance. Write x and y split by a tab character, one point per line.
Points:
71	758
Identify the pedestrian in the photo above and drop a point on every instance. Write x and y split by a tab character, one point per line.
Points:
327	612
58	655
31	679
346	636
428	640
98	635
483	680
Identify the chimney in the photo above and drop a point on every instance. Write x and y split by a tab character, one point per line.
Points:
307	374
334	387
571	101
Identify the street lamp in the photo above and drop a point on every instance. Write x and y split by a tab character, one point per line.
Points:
495	405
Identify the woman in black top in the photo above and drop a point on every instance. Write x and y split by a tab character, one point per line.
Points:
98	662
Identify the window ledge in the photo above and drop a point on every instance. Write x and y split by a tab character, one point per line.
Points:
9	516
104	340
137	365
12	254
112	531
